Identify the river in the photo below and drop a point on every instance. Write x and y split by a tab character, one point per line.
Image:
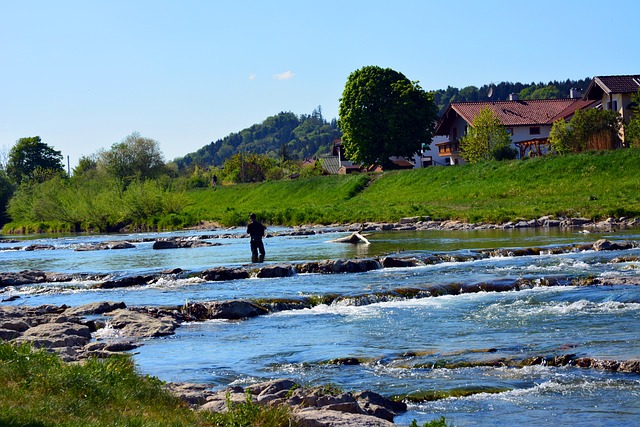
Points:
404	346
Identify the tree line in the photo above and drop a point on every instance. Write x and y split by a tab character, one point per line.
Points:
501	91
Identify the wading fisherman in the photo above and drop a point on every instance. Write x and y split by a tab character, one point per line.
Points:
255	229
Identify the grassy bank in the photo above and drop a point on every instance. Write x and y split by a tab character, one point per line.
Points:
38	389
594	185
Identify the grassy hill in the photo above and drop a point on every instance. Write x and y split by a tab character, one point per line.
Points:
594	185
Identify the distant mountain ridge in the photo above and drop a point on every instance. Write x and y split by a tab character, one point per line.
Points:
305	136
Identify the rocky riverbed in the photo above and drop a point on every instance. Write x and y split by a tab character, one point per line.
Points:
105	328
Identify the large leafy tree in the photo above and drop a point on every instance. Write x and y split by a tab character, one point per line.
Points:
134	158
486	139
31	158
384	114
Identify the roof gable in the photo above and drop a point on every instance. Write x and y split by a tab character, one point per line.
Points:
612	84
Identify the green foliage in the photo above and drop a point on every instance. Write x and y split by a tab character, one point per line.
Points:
95	203
134	158
383	114
6	191
589	129
632	129
247	167
299	137
38	389
31	158
248	413
486	139
539	92
438	422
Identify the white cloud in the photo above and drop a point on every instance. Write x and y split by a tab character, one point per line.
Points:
252	76
287	75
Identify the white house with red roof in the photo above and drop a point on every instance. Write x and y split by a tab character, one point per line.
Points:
528	122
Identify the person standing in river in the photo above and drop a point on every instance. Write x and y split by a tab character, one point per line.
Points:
256	230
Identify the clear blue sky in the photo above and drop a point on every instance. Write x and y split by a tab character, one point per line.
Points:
84	74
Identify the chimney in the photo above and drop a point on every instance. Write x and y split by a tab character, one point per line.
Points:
513	97
574	93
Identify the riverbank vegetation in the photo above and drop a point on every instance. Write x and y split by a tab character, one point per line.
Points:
596	184
38	389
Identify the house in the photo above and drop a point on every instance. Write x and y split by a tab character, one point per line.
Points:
614	93
528	122
335	164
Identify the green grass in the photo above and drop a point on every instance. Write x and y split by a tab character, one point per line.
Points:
594	185
38	390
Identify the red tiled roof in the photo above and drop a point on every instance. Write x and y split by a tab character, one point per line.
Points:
521	112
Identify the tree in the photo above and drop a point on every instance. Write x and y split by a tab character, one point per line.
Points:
86	165
487	138
383	114
589	129
6	191
30	157
133	158
632	129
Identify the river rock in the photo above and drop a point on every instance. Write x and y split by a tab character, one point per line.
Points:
140	325
56	335
314	417
607	245
179	243
234	310
39	247
219	274
95	308
391	262
378	405
274	271
124	282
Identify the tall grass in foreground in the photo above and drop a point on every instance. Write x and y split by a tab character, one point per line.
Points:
38	389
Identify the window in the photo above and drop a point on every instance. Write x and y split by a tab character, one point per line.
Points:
534	130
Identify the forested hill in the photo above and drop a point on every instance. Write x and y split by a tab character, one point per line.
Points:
301	137
295	137
501	92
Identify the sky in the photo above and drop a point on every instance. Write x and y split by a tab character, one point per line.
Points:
83	75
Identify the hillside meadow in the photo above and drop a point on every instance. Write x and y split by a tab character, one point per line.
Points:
594	184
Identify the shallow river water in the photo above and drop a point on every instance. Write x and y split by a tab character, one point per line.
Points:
444	343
